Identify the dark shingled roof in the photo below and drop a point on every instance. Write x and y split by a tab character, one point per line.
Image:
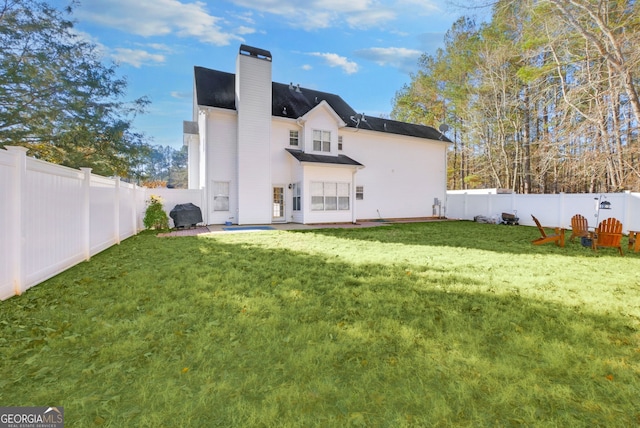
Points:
217	89
336	160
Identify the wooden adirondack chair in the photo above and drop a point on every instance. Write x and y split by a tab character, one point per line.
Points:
608	234
557	237
634	240
579	227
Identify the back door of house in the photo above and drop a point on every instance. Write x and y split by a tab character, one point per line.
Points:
278	213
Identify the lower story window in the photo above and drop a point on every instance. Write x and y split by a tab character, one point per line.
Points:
221	196
326	196
359	193
297	193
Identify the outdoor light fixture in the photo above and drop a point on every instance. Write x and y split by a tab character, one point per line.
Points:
605	205
601	204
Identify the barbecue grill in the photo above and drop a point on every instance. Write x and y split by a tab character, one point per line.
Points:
186	215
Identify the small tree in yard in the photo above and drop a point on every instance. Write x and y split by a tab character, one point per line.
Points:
154	216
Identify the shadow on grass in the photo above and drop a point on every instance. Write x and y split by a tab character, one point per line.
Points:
195	332
467	234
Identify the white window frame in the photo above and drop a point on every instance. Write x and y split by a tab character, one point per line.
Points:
359	193
321	141
294	137
296	192
221	195
330	196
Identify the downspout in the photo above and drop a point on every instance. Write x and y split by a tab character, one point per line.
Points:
353	195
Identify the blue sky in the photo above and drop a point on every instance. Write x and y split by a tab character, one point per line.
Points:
362	50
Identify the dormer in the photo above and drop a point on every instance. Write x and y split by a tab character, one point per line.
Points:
320	130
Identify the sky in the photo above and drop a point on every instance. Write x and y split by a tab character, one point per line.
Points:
363	50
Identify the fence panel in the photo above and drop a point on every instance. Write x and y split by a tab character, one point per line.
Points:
54	217
172	197
51	213
8	246
128	210
103	215
554	210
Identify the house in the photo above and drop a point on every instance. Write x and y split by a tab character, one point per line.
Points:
267	152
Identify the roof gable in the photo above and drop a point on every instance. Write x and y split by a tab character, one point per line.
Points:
327	108
215	88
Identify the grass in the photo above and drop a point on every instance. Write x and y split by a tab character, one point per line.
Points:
432	324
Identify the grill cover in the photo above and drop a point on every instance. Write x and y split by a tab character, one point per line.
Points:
186	215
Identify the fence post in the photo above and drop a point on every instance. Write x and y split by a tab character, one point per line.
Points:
464	205
561	211
86	214
626	212
490	206
116	210
134	208
17	229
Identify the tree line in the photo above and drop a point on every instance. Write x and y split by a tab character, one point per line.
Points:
60	100
540	98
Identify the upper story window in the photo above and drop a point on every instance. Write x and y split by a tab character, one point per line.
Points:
294	138
339	142
321	141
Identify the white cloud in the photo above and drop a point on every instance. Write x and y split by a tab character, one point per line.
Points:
193	19
335	60
306	67
370	18
136	57
181	95
159	17
401	58
246	17
245	30
318	14
420	7
160	47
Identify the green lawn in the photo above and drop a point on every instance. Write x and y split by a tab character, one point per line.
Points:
430	324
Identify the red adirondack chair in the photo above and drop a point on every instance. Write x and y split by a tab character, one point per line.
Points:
608	234
579	227
557	237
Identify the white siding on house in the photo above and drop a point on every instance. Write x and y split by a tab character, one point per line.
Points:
201	160
246	147
280	166
221	158
402	175
322	119
282	163
253	103
297	176
324	173
193	171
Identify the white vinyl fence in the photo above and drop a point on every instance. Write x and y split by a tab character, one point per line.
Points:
53	217
553	210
